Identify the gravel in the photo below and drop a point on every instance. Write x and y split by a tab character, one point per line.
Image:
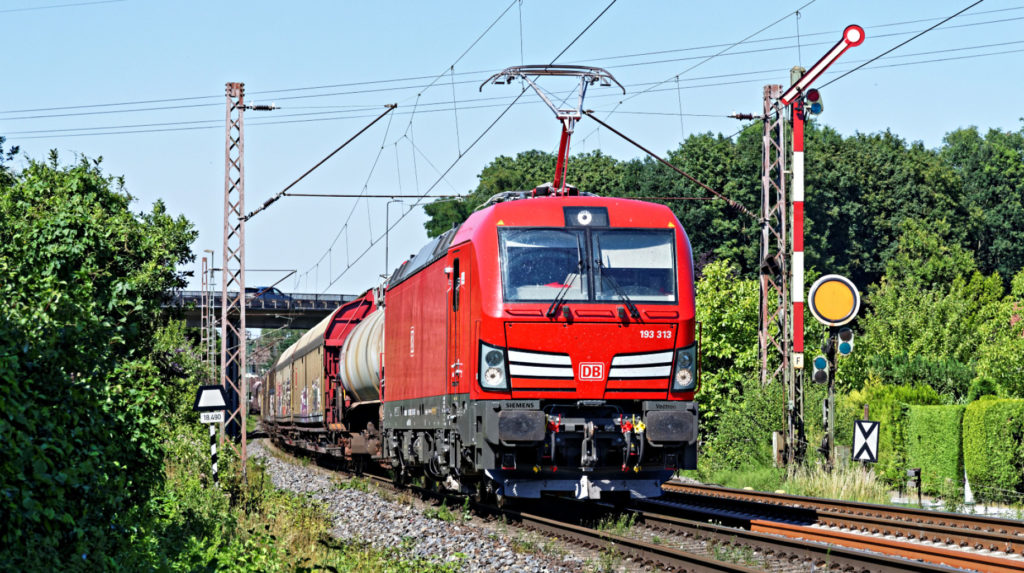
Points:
389	520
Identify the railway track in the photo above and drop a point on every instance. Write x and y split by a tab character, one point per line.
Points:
665	542
640	552
741	542
974	542
783	553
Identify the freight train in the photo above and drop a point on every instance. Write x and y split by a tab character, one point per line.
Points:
545	345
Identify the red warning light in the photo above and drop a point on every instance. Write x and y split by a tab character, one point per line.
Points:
814	103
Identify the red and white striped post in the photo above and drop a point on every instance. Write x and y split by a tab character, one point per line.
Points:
797	197
853	35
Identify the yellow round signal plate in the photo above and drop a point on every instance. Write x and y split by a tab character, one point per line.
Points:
834	300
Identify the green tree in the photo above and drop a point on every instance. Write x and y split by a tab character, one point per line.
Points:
592	172
727	308
6	177
859	192
716	230
990	170
925	315
999	364
266	349
82	390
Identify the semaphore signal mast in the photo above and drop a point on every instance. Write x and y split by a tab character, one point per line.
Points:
781	352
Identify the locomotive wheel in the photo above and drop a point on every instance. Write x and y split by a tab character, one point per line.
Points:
431	485
491	492
480	492
401	478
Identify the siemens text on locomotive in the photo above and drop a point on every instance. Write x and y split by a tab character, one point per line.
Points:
547	344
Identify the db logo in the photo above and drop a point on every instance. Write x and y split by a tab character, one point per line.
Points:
592	371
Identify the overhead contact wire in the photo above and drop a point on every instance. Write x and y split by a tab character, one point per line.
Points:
904	43
471	145
269	202
477	72
732	203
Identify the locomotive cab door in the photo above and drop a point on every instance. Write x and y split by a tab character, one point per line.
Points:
459	352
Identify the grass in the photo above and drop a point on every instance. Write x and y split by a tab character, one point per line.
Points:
608	561
548	547
847	482
619	525
444	513
355	483
758	478
251	526
739	554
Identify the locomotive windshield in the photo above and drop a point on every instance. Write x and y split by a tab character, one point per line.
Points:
593	265
538	263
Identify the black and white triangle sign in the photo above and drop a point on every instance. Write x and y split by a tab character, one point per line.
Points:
865	441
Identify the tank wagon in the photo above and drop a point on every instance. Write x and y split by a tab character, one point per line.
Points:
547	344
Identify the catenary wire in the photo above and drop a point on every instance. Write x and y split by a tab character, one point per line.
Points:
722	51
216	124
458	159
421	86
54	6
271	201
904	43
451	68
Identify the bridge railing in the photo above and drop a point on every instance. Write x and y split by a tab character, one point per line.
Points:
187	298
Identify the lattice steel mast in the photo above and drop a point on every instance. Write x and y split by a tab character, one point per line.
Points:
232	345
774	330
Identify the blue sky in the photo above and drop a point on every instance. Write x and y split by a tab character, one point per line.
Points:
74	67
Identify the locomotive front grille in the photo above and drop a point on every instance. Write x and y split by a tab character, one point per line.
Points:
647	366
548	366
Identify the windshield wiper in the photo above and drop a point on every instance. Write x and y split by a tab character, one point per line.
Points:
633	311
553	309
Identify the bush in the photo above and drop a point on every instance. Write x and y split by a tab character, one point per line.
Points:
934	445
888	406
81	279
743	438
993	443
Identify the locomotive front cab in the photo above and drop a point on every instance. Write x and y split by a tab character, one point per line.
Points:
587	362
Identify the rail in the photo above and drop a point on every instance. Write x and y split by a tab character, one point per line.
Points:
964	540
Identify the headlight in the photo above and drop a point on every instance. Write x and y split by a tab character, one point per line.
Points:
493	369
494	357
684	375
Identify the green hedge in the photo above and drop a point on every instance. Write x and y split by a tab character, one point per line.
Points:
934	445
993	438
889	405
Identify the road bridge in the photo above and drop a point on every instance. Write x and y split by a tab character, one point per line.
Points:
298	311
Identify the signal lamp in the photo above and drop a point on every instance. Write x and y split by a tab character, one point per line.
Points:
813	100
820	371
845	341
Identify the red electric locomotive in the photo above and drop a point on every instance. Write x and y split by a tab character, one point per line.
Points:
545	345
